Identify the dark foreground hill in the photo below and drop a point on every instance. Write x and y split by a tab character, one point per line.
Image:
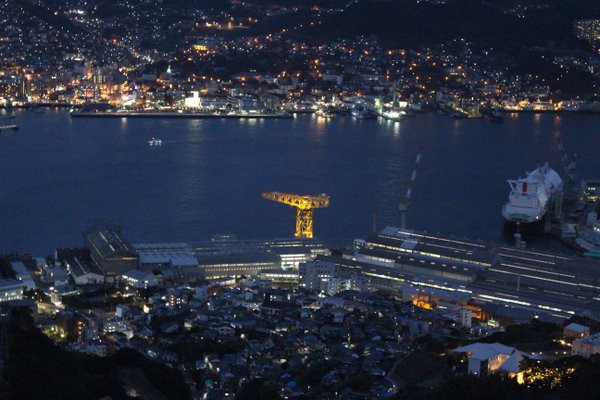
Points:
38	369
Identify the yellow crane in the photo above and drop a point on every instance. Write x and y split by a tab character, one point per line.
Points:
305	205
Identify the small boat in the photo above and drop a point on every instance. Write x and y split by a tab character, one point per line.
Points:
155	142
323	113
393	115
14	127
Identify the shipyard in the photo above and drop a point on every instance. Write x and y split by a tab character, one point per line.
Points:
493	281
324	200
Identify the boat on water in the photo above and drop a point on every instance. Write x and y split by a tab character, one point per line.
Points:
323	113
155	142
13	127
393	115
529	197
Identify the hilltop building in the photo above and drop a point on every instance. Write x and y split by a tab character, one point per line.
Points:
488	358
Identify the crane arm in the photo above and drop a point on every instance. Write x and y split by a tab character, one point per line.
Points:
299	201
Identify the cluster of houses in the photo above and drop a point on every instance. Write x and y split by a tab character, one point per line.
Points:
302	326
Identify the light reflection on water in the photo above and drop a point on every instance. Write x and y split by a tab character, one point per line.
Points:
57	173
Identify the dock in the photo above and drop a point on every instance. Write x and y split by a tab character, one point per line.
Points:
574	218
175	114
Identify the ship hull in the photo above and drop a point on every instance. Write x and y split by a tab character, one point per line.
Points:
531	197
511	227
516	217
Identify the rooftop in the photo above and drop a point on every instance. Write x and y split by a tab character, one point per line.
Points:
577	328
79	268
6	284
136	274
108	243
175	258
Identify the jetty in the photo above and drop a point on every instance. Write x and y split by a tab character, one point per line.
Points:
176	114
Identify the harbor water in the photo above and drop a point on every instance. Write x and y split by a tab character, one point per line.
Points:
58	175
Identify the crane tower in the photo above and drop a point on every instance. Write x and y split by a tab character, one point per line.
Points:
305	205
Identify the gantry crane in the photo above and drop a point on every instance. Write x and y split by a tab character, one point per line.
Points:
305	205
404	205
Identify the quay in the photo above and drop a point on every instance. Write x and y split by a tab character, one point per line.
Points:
28	106
171	114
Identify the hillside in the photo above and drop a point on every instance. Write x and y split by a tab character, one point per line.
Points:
62	375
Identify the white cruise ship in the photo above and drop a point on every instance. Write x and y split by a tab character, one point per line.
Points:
529	197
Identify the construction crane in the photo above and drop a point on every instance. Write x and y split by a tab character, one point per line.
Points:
305	205
568	163
406	203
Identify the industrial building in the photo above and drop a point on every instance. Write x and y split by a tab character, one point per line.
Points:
159	260
11	289
227	265
226	256
83	273
110	250
22	274
223	256
510	282
139	279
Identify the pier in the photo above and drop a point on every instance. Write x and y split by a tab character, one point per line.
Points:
176	114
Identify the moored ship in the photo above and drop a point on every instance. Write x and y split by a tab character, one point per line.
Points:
530	197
